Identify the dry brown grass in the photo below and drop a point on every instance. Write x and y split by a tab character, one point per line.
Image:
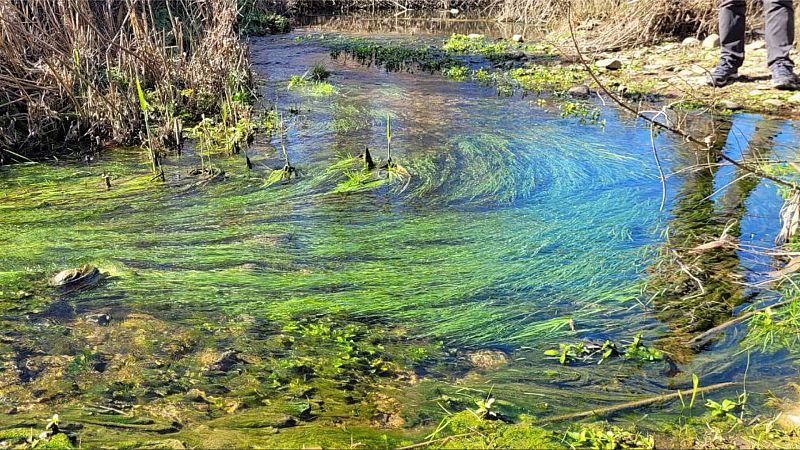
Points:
606	24
612	24
68	68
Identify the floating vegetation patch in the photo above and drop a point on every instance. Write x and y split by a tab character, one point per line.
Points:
457	73
495	50
589	352
311	86
542	77
393	57
586	114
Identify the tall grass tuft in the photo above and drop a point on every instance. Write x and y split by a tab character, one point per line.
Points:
73	72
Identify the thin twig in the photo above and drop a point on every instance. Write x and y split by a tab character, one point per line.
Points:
631	405
703	338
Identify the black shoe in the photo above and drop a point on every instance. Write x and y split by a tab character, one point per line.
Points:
784	78
723	75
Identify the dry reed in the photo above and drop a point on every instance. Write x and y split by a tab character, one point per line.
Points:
68	69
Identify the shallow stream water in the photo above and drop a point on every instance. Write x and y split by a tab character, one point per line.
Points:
518	230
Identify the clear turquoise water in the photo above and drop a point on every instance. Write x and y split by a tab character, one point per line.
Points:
515	222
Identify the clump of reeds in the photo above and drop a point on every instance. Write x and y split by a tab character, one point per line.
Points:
69	70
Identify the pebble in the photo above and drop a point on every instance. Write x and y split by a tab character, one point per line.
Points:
518	38
790	419
794	99
711	42
699	70
730	104
755	45
690	42
487	359
609	64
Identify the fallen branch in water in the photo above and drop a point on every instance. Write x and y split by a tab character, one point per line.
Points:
703	338
631	405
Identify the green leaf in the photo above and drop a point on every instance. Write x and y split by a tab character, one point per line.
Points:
142	100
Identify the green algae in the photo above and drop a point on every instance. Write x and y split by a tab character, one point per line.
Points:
351	315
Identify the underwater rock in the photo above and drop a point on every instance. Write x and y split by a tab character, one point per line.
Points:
73	279
258	418
99	318
487	359
225	362
197	396
579	91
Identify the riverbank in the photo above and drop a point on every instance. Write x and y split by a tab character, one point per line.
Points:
678	72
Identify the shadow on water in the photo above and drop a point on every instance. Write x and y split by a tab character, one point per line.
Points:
696	290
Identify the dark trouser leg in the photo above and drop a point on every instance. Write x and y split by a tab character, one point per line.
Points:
779	30
732	16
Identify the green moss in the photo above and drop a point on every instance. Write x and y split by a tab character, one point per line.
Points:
472	431
391	55
541	77
57	441
17	435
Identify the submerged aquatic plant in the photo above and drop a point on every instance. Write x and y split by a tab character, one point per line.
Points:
585	114
612	438
145	108
771	331
319	73
313	82
725	409
287	172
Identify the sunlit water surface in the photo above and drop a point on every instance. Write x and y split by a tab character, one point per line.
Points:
515	222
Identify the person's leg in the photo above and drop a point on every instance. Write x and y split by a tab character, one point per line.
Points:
780	40
732	16
779	30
